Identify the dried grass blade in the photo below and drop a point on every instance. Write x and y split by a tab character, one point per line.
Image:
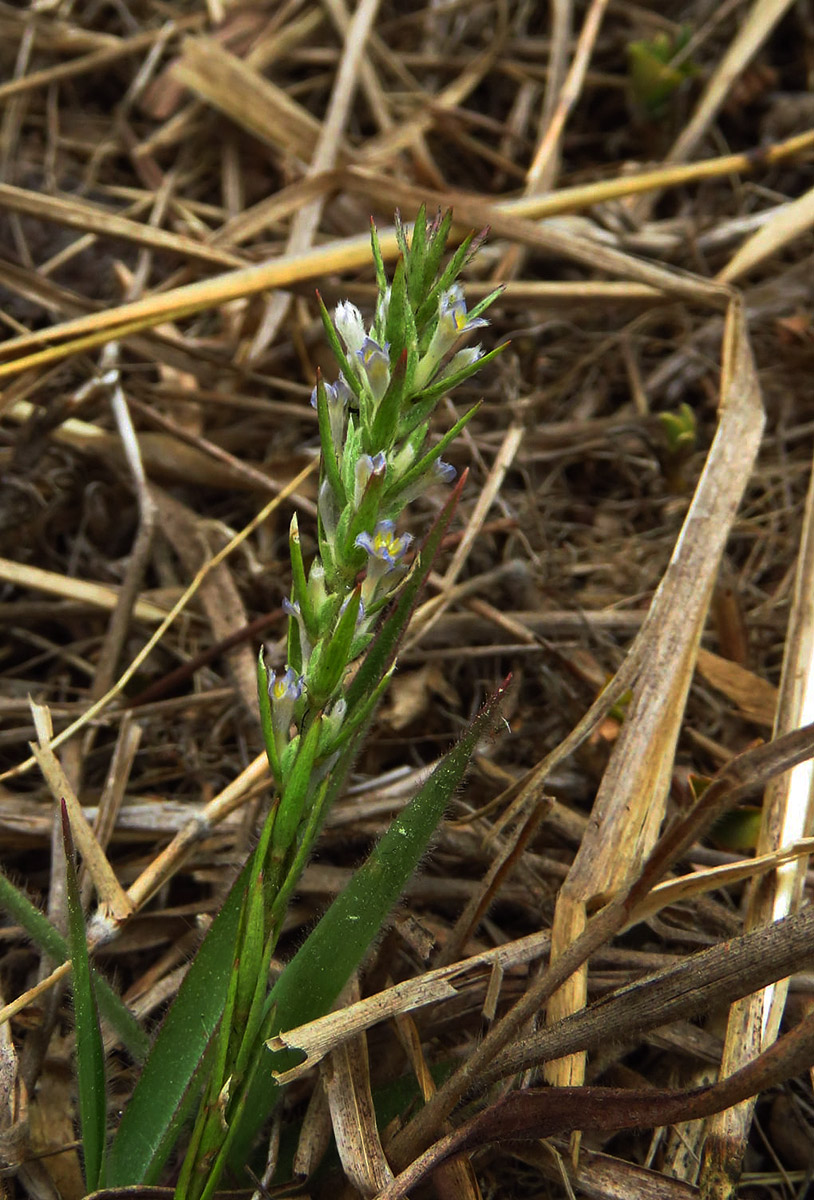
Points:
541	1112
790	222
91	218
247	97
346	1077
114	903
545	164
755	697
788	812
220	597
630	804
96	328
98	595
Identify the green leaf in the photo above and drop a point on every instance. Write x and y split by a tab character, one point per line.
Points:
429	309
362	713
333	950
399	315
264	702
295	793
401	236
653	77
90	1053
381	274
436	245
322	966
480	308
680	430
111	1006
300	585
363	520
386	421
417	258
160	1099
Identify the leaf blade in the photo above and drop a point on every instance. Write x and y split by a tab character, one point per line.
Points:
90	1054
319	970
149	1124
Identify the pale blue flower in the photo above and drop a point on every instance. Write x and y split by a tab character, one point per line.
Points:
284	692
365	468
338	396
442	472
438	472
375	361
386	550
453	322
460	361
453	319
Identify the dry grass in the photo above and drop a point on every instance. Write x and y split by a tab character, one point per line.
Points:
175	178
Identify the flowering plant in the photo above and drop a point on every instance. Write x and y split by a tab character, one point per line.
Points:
346	612
374	423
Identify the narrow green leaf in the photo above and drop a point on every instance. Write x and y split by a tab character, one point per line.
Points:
295	793
264	702
436	244
381	273
429	308
386	421
483	304
399	314
301	594
150	1123
363	520
90	1053
416	416
254	1016
43	934
360	714
322	966
350	455
417	258
331	953
401	235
